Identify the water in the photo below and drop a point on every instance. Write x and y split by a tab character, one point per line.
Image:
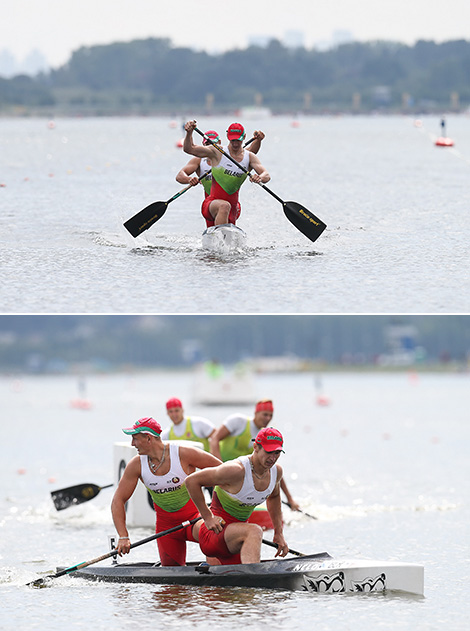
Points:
396	208
384	467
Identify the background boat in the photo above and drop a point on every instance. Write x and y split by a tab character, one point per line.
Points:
215	384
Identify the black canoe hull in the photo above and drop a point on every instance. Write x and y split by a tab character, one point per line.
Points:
317	573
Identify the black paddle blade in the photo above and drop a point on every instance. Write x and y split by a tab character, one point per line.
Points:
304	220
74	495
145	218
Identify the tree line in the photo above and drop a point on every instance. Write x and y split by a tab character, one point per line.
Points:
46	343
151	76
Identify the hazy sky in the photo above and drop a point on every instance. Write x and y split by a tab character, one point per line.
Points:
58	27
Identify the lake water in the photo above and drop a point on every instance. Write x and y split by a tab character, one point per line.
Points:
396	208
384	467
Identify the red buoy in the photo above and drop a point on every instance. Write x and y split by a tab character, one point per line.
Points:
443	141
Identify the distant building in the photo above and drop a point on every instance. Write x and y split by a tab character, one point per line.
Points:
341	36
401	342
294	39
338	38
34	63
8	64
259	40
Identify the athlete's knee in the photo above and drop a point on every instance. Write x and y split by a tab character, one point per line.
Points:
249	530
254	531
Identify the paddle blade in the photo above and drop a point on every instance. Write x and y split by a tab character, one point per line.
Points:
303	220
74	495
145	218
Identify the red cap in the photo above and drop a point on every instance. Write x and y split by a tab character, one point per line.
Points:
145	425
264	406
236	131
213	135
173	403
270	439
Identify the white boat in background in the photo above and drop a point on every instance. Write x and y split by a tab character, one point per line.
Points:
255	113
223	239
216	385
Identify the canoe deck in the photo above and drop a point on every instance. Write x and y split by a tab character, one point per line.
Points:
314	573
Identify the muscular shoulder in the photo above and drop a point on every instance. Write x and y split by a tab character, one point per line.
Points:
133	468
231	475
197	458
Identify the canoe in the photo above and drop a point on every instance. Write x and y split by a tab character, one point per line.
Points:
313	573
224	238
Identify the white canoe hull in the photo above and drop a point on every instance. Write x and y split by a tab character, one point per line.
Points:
353	575
224	238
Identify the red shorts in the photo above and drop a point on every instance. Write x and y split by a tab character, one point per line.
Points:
235	211
172	547
213	545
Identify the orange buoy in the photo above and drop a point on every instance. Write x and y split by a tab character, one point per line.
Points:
443	141
80	404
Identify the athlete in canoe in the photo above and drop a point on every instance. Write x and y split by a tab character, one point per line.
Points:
240	486
163	469
235	437
201	166
183	427
221	205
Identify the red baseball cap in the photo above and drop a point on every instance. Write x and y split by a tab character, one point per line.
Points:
145	425
270	439
173	403
266	405
213	135
236	131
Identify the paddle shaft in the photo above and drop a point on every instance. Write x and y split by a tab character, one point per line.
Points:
299	510
274	545
79	566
